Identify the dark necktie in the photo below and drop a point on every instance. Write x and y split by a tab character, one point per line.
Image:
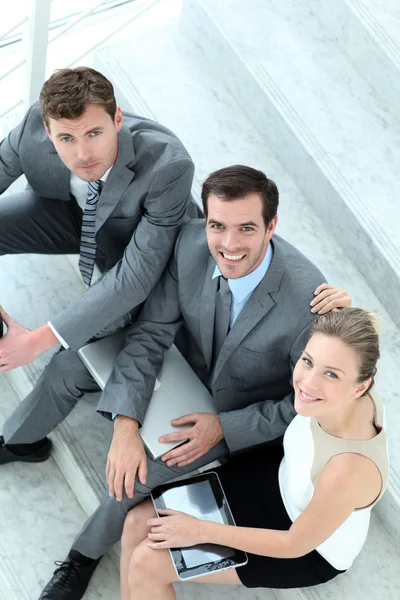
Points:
88	242
223	303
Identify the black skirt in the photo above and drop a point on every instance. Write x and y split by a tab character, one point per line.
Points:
250	482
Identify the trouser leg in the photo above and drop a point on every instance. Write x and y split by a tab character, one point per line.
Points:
104	528
63	382
31	224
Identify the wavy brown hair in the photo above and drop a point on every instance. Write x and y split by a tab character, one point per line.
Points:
66	94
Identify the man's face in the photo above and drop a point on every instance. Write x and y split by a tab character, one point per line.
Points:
236	234
88	145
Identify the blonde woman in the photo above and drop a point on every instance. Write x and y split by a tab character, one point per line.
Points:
306	519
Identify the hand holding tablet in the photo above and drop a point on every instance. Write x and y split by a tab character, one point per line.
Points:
175	530
197	499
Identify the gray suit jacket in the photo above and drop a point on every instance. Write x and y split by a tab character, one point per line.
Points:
251	383
141	209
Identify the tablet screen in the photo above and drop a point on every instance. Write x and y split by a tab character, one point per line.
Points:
199	501
202	497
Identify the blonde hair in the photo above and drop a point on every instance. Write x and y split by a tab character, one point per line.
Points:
358	329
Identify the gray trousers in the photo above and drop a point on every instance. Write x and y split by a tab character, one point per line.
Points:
29	224
63	382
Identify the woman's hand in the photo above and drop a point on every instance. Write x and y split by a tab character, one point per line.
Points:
329	297
175	530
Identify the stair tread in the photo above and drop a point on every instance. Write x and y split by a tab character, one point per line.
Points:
387	15
40	517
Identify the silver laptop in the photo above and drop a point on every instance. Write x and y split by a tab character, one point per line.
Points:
177	392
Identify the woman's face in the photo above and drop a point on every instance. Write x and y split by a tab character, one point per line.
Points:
325	377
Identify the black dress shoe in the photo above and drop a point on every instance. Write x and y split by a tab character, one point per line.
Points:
69	581
39	454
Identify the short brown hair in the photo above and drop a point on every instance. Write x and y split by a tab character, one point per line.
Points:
66	94
359	330
236	182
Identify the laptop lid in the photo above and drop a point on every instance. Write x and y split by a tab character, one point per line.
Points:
177	392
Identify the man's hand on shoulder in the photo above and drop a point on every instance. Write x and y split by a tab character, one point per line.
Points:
205	433
327	298
126	457
21	346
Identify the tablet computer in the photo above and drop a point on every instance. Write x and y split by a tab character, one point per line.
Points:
202	497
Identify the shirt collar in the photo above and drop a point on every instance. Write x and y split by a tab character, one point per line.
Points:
82	181
243	286
106	174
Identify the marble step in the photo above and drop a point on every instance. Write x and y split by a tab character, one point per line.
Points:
171	81
369	32
319	116
188	98
39	518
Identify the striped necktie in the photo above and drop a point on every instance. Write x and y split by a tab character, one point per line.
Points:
88	241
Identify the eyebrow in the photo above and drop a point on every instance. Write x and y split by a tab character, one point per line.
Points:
248	224
60	135
326	366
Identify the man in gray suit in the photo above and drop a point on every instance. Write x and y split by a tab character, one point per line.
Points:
111	187
235	298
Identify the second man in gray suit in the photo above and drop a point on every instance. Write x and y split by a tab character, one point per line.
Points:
235	298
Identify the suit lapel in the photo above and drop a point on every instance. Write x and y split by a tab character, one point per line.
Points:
118	180
59	177
207	311
258	305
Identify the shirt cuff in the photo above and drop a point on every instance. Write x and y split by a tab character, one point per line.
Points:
114	415
58	336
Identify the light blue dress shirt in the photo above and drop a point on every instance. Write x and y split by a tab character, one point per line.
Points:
243	287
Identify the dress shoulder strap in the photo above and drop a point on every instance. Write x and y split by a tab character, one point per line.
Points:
326	446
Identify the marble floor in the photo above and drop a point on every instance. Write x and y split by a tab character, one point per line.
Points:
39	517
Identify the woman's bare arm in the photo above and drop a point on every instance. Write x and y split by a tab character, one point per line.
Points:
346	483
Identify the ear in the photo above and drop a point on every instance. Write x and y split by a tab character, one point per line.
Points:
118	119
363	387
47	130
272	226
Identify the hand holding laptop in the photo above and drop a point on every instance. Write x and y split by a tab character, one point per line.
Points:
180	401
127	456
204	434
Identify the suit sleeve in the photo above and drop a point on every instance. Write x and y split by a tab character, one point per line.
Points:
131	384
128	284
263	421
10	164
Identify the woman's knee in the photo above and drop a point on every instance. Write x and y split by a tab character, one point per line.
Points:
145	563
148	564
135	526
